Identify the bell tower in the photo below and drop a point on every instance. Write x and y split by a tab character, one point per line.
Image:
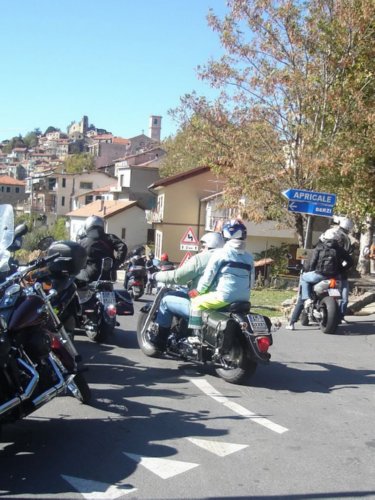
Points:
155	127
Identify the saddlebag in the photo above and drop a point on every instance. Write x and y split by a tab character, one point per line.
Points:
219	330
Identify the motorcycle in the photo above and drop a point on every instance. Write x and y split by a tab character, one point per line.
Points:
98	303
38	361
135	280
233	339
325	306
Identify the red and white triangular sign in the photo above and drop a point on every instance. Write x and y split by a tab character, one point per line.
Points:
186	257
189	238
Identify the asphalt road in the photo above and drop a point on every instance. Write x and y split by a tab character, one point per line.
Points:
161	429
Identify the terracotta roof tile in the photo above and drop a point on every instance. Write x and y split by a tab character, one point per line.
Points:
102	208
179	177
11	181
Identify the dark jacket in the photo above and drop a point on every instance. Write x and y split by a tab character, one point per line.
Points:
344	260
98	245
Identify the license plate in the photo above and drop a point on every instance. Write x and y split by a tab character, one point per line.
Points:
107	298
333	292
257	323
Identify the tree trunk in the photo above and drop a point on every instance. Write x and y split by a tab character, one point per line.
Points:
298	224
366	239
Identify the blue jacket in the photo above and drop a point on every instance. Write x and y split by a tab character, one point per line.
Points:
229	272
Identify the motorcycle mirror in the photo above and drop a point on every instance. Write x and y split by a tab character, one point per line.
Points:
45	243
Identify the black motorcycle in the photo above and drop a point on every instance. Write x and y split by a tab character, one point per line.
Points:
135	282
324	308
233	339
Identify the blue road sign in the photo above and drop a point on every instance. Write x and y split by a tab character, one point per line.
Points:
305	207
301	195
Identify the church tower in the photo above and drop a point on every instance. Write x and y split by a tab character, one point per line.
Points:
155	128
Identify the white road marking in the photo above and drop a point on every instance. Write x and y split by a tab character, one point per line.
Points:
208	389
217	447
95	490
162	467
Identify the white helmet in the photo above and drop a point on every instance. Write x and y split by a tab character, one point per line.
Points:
346	224
330	234
94	221
212	240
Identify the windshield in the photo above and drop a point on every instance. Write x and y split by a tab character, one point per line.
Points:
6	234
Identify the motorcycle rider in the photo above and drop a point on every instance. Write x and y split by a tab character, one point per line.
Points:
151	268
177	303
137	259
228	277
99	244
165	263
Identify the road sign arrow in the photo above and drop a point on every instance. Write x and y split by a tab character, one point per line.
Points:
303	195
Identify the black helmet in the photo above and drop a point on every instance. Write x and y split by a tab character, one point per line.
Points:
140	250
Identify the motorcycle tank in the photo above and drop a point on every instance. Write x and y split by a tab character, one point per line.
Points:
27	313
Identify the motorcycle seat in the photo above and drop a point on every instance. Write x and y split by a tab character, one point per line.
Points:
237	307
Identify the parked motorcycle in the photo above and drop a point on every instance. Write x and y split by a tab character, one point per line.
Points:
234	340
38	361
325	306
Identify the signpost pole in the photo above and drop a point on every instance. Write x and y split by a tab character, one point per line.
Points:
308	235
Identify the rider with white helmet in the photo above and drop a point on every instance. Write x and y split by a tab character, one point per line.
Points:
177	303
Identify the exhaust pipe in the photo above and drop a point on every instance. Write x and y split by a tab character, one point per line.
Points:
53	391
12	403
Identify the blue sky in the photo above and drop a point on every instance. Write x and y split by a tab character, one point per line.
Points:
116	61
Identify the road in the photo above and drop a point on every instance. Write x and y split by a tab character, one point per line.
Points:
162	429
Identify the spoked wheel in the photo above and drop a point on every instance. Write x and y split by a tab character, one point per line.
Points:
143	336
236	367
329	311
80	389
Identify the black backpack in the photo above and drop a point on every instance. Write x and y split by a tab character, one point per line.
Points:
328	262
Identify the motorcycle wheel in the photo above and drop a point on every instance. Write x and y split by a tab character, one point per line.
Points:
100	332
143	340
304	318
329	315
80	389
237	365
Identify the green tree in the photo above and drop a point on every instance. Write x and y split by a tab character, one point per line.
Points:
78	163
295	78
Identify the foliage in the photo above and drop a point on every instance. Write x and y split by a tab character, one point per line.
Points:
59	229
31	139
51	129
15	142
78	163
279	255
295	108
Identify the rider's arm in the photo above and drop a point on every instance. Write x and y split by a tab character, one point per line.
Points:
119	246
182	275
210	272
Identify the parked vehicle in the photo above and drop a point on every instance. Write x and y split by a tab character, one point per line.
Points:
38	361
325	306
234	340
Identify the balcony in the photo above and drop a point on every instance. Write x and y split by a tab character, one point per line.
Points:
152	216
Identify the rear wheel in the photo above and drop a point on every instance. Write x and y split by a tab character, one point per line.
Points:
143	338
80	389
236	366
330	316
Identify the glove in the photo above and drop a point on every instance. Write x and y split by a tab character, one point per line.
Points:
193	293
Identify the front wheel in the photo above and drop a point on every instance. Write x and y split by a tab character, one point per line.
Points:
330	316
80	389
143	338
236	366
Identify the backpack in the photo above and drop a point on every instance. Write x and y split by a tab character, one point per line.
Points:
328	262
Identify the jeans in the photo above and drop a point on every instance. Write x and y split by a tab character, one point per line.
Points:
344	296
298	308
173	304
307	279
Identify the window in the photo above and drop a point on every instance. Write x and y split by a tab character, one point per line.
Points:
123	233
8	189
51	184
63	201
63	183
158	243
160	206
85	185
89	199
17	190
2	189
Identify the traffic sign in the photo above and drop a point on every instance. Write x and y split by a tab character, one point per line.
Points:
304	207
189	237
186	257
189	241
301	195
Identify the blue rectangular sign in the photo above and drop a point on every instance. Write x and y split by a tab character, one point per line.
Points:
304	207
301	195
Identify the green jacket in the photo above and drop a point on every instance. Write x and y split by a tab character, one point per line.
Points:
189	273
